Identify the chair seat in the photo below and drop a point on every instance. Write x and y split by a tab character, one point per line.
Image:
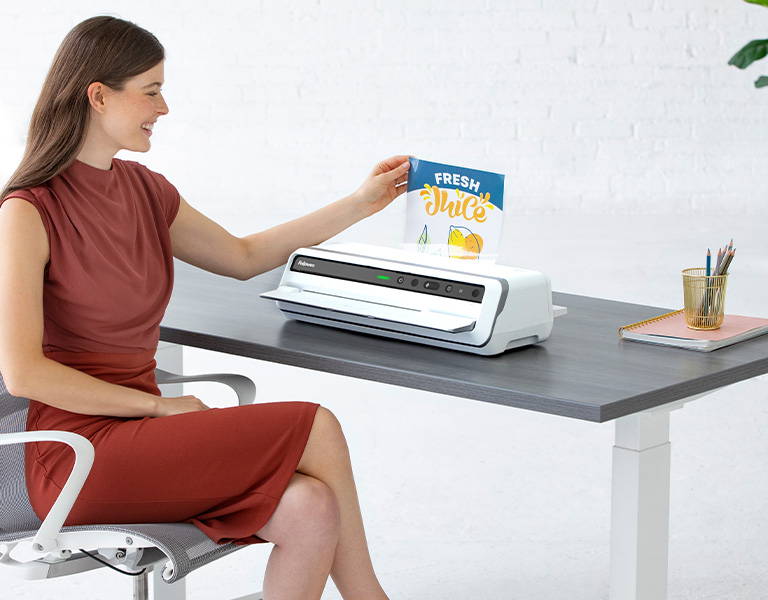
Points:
178	548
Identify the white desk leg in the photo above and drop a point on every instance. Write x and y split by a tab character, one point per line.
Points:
640	507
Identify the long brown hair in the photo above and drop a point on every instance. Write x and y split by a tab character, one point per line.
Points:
104	49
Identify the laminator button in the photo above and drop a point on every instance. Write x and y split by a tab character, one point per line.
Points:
400	279
449	288
431	285
414	282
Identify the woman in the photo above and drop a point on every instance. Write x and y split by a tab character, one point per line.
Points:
86	247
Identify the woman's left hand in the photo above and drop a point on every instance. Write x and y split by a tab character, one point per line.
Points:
385	183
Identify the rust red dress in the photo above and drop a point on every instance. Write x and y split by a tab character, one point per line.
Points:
106	287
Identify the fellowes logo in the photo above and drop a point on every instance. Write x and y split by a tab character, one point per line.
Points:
303	263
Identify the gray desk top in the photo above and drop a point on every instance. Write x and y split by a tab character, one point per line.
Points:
583	371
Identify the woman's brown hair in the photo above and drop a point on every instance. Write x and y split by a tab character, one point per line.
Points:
104	49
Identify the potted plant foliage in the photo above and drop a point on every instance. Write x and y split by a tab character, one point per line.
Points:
755	50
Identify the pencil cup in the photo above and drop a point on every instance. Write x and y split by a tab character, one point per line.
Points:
704	298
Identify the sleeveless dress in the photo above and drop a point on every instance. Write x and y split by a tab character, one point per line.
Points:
106	287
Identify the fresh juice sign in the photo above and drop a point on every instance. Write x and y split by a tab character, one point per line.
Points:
453	211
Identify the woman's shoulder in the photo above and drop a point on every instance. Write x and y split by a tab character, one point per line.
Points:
38	195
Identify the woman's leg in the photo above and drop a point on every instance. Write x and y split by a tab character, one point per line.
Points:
317	527
305	530
326	458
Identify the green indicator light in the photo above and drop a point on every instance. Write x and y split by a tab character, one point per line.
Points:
383	277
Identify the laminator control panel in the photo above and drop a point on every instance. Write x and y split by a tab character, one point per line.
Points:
388	278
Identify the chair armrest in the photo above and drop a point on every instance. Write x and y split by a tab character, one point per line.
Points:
45	539
243	387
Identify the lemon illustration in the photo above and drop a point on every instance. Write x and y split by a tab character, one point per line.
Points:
464	244
473	245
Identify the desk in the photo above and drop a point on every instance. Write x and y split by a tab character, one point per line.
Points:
584	371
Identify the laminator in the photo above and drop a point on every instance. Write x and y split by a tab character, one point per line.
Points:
477	307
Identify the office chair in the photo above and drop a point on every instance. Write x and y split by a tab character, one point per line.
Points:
34	550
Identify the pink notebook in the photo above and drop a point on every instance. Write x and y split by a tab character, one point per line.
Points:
670	330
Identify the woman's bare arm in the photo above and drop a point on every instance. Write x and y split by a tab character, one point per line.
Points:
203	243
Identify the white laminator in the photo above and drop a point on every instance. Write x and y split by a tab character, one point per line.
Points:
477	307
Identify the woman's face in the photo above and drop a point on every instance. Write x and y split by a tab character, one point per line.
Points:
133	111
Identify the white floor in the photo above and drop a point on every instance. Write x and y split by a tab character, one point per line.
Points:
468	500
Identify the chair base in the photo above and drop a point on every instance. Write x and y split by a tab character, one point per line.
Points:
169	591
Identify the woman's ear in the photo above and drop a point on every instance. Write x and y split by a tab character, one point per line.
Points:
96	93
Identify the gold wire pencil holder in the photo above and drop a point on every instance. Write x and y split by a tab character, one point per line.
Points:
704	298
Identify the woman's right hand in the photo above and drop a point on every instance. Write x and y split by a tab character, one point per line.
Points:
179	405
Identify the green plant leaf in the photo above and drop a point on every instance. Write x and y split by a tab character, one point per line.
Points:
755	50
761	82
760	2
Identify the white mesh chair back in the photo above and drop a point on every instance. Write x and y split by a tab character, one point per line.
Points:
16	514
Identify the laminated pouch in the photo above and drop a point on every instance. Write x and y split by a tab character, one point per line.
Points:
453	211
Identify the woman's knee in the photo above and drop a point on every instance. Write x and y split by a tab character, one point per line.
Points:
308	513
326	421
326	441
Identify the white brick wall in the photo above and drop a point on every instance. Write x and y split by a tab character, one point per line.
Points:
586	105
